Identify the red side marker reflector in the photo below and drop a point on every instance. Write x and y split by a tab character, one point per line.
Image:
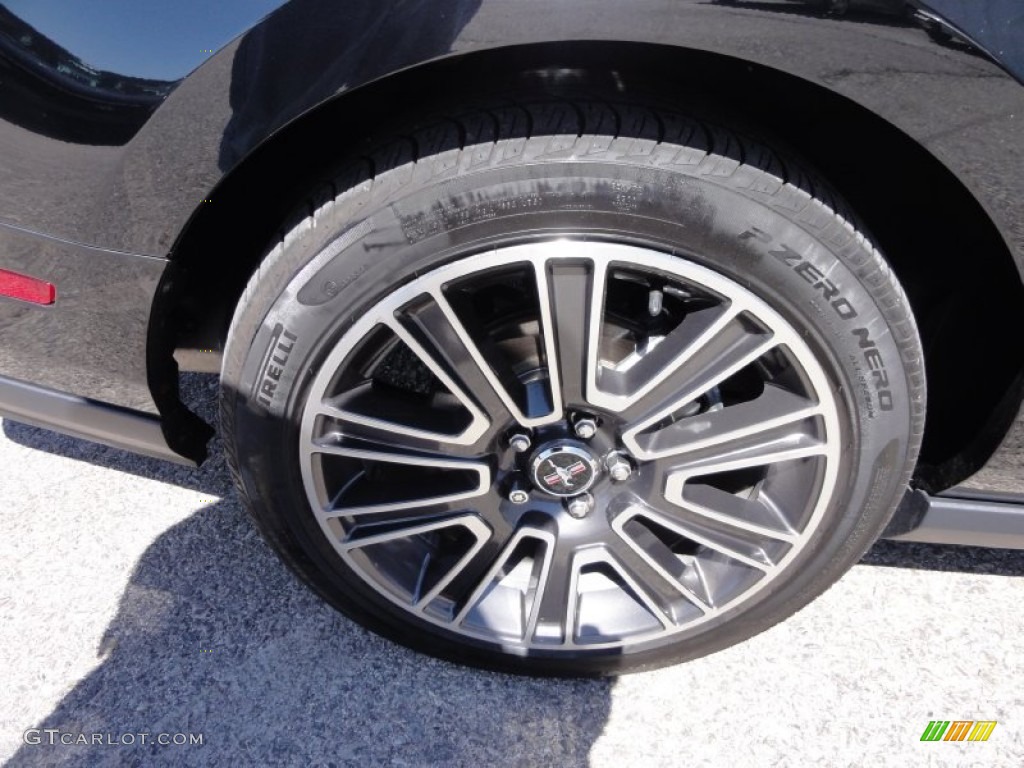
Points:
26	288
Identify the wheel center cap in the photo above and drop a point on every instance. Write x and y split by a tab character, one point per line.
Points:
564	469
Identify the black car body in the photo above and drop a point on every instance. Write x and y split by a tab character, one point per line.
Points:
146	162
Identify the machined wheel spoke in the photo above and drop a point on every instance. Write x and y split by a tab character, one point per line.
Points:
437	366
737	544
663	595
747	514
389	436
463	567
488	571
757	450
725	353
478	484
645	547
570	294
365	523
622	389
773	414
415	528
487	376
437	336
697	578
554	619
392	431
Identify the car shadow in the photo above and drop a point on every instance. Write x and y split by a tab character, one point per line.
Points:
943	557
214	636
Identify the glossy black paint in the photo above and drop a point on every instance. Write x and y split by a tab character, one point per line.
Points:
122	155
91	341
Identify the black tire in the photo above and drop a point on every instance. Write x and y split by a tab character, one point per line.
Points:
604	173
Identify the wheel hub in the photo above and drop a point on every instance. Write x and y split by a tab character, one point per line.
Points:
564	468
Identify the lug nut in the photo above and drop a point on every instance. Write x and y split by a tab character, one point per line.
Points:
519	442
585	428
619	468
518	496
579	506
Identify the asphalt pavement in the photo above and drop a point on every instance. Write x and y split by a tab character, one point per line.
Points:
136	598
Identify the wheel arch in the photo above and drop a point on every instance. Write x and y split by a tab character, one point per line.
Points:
922	215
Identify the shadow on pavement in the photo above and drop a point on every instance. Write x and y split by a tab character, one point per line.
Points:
213	635
941	557
213	478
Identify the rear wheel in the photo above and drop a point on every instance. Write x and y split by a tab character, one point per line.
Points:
562	395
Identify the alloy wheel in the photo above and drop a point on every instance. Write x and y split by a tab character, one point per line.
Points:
570	444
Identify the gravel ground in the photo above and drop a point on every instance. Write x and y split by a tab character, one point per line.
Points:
138	599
